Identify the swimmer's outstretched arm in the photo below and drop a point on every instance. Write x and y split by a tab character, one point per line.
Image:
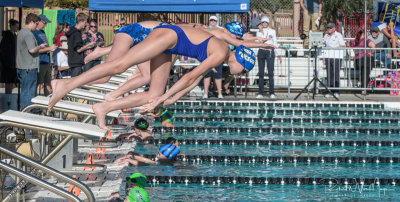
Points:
183	92
98	52
144	159
188	79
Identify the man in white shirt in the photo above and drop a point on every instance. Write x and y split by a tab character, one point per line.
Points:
216	72
266	55
333	58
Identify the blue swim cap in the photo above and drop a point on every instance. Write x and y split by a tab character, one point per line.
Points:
169	151
245	56
235	28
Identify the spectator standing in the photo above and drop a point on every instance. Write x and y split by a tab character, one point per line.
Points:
75	45
311	14
63	68
359	55
266	55
333	58
28	59
8	50
92	35
216	72
61	29
381	41
122	22
44	74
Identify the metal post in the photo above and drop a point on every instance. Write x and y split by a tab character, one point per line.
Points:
288	73
365	48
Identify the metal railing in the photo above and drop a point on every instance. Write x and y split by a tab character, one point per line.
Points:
349	70
37	166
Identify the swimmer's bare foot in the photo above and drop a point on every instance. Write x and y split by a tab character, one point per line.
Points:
101	112
108	97
58	92
152	104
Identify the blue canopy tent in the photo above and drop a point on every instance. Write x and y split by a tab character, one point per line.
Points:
182	6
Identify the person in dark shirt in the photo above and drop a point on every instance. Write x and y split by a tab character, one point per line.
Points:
8	45
75	45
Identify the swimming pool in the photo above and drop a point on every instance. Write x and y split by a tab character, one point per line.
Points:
258	151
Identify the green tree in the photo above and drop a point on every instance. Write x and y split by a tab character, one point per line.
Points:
330	8
70	4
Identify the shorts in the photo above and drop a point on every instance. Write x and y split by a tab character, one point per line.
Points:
44	74
215	75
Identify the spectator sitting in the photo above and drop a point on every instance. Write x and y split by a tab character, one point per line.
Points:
64	71
359	57
381	41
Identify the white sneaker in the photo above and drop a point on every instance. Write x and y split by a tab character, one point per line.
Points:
260	96
328	95
337	95
220	96
272	96
205	96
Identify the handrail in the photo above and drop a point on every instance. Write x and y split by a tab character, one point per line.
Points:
38	182
49	171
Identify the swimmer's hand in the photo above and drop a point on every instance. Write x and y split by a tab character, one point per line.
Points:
152	104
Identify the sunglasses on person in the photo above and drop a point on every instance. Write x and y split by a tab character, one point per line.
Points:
94	26
121	23
213	20
265	22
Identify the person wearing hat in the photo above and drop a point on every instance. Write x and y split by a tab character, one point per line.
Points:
312	12
64	71
215	72
44	74
381	41
333	58
266	55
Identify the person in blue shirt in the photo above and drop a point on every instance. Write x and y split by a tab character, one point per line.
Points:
44	74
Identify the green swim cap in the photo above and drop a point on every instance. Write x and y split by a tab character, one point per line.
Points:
166	115
137	178
141	124
138	194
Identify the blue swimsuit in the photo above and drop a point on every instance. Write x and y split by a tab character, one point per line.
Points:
185	47
136	31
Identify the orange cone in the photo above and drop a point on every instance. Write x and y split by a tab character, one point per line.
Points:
73	189
90	161
109	135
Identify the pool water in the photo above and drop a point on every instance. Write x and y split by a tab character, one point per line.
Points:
280	123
